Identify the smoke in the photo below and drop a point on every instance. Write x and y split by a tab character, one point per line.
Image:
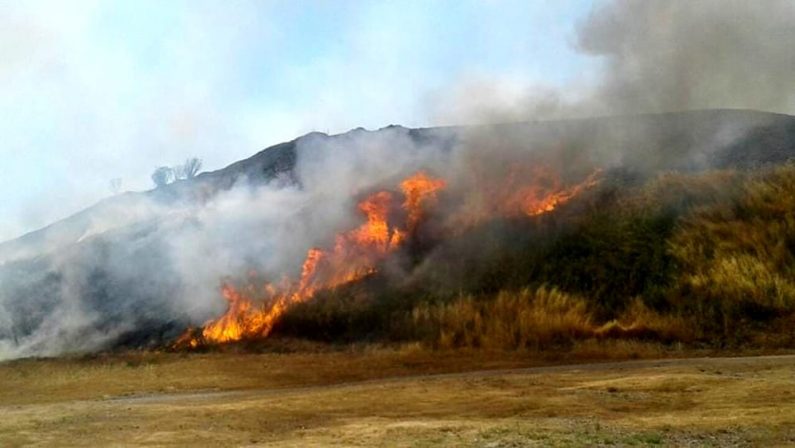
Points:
142	268
145	268
654	56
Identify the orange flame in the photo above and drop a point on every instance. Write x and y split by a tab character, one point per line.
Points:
356	253
419	189
354	256
526	189
537	199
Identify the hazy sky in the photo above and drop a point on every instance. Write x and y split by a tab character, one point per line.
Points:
95	90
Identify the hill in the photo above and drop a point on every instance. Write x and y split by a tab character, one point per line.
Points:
140	267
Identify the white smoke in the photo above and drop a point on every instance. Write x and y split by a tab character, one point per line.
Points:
147	262
654	56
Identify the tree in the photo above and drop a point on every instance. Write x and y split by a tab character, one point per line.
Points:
162	176
115	185
191	167
179	172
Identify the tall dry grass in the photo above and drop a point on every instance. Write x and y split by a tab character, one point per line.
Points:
640	322
536	319
736	260
706	258
524	319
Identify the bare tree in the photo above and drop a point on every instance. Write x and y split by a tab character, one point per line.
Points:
179	172
162	176
191	167
115	185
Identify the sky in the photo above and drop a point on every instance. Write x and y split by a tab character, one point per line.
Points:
96	90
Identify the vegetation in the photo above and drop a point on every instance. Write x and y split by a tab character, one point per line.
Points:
682	265
735	259
542	318
695	258
389	397
162	175
187	170
539	320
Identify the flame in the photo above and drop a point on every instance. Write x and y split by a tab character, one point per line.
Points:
376	231
254	310
252	314
526	189
536	199
419	189
240	319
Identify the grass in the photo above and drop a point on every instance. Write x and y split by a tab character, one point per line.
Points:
323	400
93	377
736	259
683	258
682	265
524	320
543	319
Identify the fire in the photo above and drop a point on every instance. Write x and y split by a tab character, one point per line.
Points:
538	199
376	232
253	311
355	254
240	319
418	190
526	189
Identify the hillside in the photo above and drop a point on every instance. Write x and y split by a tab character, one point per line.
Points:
692	140
122	271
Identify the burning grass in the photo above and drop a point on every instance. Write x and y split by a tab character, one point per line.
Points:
700	259
254	309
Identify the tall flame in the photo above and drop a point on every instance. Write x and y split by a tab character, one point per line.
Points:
355	255
419	189
253	311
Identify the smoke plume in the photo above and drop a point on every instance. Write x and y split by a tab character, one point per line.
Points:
655	56
148	268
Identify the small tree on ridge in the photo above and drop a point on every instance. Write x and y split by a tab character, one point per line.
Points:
191	167
162	176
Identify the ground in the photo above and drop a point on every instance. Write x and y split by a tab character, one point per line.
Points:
391	397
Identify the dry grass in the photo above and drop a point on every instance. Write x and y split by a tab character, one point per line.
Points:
736	258
703	402
720	272
638	321
141	373
681	191
541	320
702	258
519	320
